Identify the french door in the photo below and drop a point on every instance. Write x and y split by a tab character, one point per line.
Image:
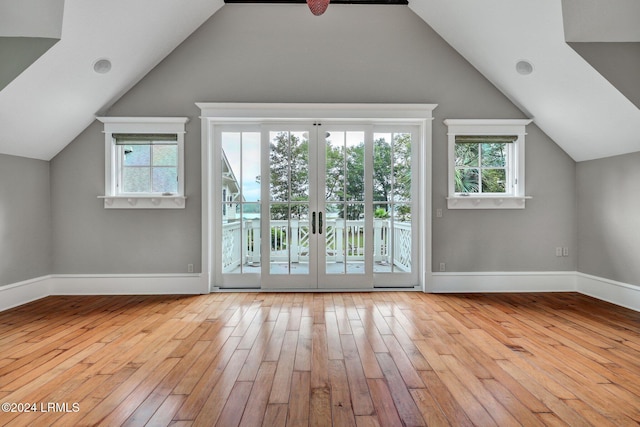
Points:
314	205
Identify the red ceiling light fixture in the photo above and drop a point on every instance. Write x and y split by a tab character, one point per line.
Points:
318	7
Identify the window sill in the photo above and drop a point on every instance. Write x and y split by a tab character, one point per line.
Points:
486	202
144	202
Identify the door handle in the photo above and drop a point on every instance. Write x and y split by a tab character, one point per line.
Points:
313	223
319	222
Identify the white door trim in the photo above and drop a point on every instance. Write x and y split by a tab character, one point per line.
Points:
213	114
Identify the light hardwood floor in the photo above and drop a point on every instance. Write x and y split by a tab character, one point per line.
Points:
342	359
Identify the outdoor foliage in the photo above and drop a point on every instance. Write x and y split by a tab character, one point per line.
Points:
289	162
345	184
480	167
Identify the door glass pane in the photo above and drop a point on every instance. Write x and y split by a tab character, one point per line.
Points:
355	238
335	244
401	238
279	161
345	238
392	202
289	230
392	238
299	166
355	166
344	166
251	237
344	169
231	167
240	193
382	167
299	230
382	238
231	239
335	166
401	166
289	170
251	166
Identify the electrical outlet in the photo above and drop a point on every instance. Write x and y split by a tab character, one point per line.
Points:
558	251
190	268
565	251
443	266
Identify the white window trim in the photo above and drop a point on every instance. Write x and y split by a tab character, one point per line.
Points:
143	125
516	198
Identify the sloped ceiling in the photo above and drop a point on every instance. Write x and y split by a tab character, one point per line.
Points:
58	96
28	29
607	36
567	98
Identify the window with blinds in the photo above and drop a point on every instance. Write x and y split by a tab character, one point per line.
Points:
144	162
486	163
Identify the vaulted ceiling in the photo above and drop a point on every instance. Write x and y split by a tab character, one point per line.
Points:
583	91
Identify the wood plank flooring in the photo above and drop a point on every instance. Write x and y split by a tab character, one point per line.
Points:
304	359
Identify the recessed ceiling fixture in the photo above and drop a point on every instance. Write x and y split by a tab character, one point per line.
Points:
524	67
318	7
102	66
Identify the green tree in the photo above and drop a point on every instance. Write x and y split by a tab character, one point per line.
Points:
289	174
402	167
480	167
381	170
345	178
335	165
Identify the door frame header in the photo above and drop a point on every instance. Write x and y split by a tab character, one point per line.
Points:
307	111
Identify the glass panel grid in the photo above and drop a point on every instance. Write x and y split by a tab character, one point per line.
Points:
147	168
241	232
289	209
401	166
392	224
345	238
481	168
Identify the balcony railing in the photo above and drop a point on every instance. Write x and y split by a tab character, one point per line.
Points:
344	242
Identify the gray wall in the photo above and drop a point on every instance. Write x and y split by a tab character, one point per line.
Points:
511	240
282	53
609	217
25	219
92	240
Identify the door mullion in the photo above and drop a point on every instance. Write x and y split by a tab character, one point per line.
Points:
265	206
316	182
368	198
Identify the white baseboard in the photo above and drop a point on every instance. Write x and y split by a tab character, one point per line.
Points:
622	294
95	284
618	293
503	281
23	292
127	284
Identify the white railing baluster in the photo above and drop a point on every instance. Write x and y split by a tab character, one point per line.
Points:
295	250
257	244
345	242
